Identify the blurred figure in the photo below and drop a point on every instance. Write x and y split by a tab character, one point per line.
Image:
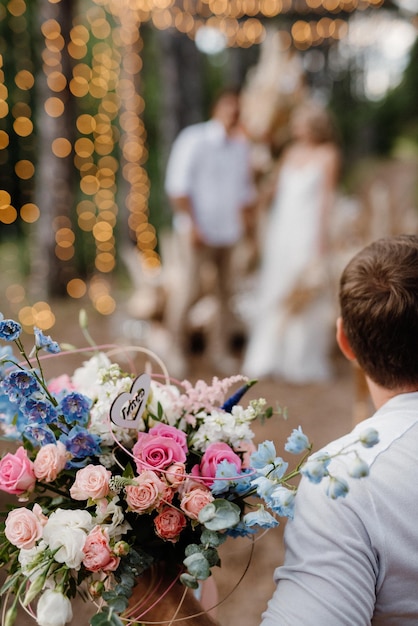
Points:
289	333
209	184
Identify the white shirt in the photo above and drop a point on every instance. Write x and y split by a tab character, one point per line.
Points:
354	561
214	171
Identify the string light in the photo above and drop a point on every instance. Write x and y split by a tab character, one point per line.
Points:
109	151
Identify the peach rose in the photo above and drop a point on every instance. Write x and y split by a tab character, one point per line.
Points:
146	492
97	553
92	482
175	474
50	461
16	473
194	501
23	528
169	524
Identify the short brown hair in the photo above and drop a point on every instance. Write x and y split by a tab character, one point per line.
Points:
379	309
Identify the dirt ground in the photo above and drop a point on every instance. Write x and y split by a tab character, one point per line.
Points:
324	411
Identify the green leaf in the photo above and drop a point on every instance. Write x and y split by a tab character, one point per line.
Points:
198	566
212	539
189	581
128	472
220	515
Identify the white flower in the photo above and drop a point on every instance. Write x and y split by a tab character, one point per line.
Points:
66	532
54	609
111	518
86	379
100	423
231	428
167	396
31	561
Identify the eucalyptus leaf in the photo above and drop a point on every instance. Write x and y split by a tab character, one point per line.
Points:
189	581
198	566
219	515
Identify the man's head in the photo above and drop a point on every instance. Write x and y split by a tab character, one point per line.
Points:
226	108
379	310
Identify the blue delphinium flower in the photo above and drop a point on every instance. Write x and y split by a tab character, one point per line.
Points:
358	468
19	384
75	408
264	486
282	501
265	455
369	437
38	435
315	467
40	411
236	397
9	330
337	487
261	518
241	530
297	442
81	444
227	477
44	342
279	469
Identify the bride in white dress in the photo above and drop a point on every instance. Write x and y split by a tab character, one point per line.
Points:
289	336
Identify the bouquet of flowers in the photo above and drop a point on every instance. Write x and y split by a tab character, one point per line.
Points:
115	472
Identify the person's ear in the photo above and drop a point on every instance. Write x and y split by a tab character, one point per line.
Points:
343	342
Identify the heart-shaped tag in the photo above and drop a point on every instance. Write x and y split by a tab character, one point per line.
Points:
127	408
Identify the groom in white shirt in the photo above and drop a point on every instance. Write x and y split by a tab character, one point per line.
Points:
209	184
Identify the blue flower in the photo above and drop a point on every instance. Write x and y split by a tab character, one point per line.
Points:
264	486
297	442
226	476
236	397
39	411
359	468
81	444
282	501
45	342
75	408
369	437
265	455
279	469
9	330
337	488
19	385
241	530
39	435
261	518
315	467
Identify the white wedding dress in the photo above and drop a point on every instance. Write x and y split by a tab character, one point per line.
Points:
294	347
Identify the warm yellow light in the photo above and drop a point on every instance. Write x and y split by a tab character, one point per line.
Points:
61	147
24	80
76	288
56	81
15	293
102	231
4	108
24	169
8	214
23	126
16	7
105	304
89	185
29	213
79	86
4	139
86	124
64	253
84	147
54	107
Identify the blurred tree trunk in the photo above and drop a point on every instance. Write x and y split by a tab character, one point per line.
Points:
54	182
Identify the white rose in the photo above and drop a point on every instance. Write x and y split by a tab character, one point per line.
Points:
66	532
54	609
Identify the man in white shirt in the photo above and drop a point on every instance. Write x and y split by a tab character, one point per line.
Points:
209	184
354	562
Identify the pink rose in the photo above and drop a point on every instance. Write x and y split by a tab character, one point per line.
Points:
16	473
169	524
157	452
97	553
50	461
194	501
23	528
216	453
175	474
164	430
92	482
61	383
145	495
